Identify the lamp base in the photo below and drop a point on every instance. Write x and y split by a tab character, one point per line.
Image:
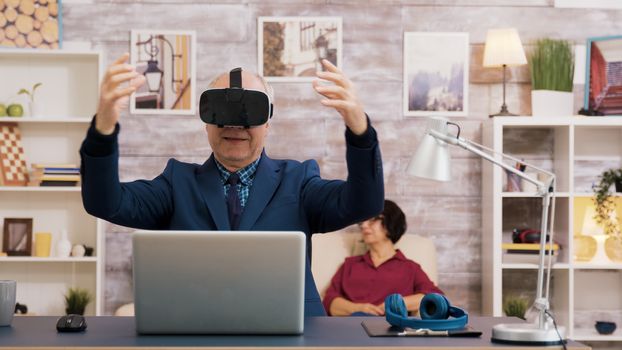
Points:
502	114
526	334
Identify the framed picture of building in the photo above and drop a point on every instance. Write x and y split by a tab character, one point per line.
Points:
436	74
17	236
167	59
603	76
290	48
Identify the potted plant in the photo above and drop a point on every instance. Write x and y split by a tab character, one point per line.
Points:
76	300
515	306
552	69
606	212
31	94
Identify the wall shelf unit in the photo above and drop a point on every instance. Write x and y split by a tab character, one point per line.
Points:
66	102
577	149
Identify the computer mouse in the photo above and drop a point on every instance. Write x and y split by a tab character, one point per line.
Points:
71	323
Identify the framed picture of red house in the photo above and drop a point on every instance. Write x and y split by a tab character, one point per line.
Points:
603	90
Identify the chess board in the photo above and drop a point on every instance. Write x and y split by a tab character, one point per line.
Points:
13	170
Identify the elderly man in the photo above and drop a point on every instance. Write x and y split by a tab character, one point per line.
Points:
270	195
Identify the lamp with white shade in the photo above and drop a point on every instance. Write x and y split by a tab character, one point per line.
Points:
432	161
592	231
503	49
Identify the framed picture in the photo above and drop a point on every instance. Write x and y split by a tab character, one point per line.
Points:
290	48
436	74
603	76
167	59
13	169
17	236
31	24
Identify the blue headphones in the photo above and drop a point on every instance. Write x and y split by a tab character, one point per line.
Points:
436	313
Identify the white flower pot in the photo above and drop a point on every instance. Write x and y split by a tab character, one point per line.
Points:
34	109
548	103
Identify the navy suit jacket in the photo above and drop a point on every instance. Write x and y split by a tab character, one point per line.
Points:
286	195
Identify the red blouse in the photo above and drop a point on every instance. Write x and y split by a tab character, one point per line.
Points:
358	281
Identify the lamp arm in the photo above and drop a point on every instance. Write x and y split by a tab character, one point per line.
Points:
509	157
542	187
541	302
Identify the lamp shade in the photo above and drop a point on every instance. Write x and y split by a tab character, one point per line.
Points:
503	47
432	159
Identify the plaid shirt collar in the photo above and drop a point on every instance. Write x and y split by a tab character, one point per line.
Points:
246	174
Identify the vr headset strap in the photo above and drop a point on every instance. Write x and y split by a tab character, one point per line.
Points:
235	78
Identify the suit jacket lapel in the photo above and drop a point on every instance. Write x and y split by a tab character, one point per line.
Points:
267	179
208	179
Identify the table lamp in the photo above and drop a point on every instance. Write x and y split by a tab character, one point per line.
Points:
503	49
432	161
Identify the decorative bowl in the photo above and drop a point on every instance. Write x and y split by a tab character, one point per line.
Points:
603	327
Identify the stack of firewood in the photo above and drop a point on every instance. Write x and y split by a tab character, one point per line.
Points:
29	23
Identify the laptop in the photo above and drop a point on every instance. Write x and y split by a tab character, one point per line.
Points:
219	282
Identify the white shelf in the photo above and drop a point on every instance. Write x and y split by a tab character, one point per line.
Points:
88	259
512	266
67	98
40	189
46	119
27	52
592	266
581	334
591	194
581	121
531	195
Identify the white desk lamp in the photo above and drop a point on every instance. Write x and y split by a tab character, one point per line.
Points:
432	161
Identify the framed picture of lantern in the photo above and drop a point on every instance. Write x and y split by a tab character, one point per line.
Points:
289	49
167	59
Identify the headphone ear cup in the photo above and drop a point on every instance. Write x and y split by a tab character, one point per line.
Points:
434	306
396	305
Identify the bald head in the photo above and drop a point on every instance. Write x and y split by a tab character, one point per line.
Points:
250	80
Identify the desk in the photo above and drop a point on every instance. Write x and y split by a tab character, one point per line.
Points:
326	333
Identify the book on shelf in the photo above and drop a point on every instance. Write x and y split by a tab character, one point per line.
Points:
54	175
54	165
58	183
527	253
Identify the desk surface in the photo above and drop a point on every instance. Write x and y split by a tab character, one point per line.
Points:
320	332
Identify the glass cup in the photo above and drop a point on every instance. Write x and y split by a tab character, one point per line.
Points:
7	302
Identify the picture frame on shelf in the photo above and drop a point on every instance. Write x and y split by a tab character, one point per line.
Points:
603	60
167	59
436	74
32	24
289	49
17	236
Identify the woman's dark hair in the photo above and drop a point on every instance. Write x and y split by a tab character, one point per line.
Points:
394	220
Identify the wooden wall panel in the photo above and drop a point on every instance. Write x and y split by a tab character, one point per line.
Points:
302	128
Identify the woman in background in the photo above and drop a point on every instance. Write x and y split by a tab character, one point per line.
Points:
363	282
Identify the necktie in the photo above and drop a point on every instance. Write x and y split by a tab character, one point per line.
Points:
233	201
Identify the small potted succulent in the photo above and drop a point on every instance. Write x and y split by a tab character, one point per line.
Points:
76	300
515	306
606	212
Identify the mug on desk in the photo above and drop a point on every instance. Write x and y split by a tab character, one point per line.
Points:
7	302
